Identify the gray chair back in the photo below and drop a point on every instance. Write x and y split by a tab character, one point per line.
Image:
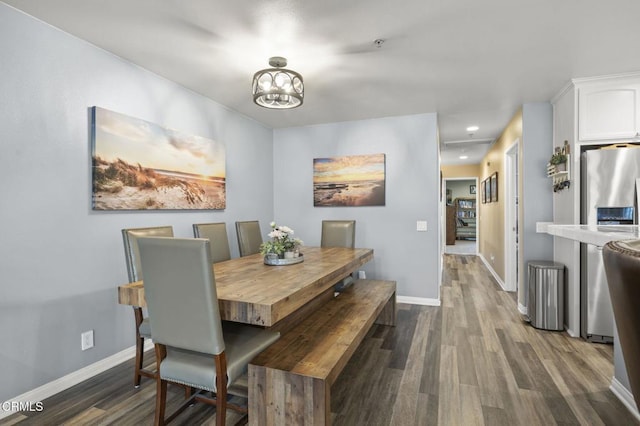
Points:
180	291
249	237
131	250
338	233
216	233
622	266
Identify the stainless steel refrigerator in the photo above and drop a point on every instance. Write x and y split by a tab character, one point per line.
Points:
609	197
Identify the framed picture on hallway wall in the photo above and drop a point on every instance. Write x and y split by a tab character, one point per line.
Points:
494	187
487	190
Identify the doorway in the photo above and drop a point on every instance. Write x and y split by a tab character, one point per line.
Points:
512	252
460	215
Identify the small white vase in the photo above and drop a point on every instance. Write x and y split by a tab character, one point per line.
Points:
288	255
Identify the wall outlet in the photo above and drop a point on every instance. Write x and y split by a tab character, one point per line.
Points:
86	340
421	225
362	275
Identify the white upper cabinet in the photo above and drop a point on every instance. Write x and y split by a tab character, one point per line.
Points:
609	112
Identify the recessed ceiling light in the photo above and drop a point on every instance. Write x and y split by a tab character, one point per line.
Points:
472	128
464	157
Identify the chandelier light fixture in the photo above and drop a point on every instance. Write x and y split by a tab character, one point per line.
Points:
277	87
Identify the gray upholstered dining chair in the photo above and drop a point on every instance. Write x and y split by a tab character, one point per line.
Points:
249	237
193	348
216	233
132	257
622	266
339	233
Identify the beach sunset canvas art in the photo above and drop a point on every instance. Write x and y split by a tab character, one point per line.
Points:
138	165
357	180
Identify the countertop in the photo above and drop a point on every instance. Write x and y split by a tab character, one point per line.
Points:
597	235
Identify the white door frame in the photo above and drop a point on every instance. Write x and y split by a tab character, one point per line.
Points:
510	213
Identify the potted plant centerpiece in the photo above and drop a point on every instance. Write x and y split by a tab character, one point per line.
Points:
282	248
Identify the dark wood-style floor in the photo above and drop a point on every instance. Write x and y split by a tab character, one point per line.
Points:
470	361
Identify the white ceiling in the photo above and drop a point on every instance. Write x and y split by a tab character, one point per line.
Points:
472	62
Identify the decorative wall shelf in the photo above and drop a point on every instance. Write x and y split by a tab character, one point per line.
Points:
560	174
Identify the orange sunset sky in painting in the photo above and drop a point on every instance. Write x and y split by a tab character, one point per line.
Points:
349	169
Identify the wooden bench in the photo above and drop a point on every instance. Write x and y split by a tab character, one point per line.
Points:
289	383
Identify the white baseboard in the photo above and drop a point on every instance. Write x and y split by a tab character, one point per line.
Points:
495	275
418	301
625	396
572	333
523	309
65	382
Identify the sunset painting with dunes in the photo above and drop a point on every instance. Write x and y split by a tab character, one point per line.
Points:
138	165
356	180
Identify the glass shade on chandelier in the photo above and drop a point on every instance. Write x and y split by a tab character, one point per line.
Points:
277	87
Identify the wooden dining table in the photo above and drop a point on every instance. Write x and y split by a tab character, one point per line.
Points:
251	292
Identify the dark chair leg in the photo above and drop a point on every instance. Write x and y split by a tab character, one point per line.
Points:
161	387
161	399
139	347
221	389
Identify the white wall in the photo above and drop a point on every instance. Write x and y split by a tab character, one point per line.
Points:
412	193
60	262
566	207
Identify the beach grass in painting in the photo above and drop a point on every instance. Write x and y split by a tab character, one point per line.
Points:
357	180
139	165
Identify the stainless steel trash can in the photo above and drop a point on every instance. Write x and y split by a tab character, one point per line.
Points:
546	295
